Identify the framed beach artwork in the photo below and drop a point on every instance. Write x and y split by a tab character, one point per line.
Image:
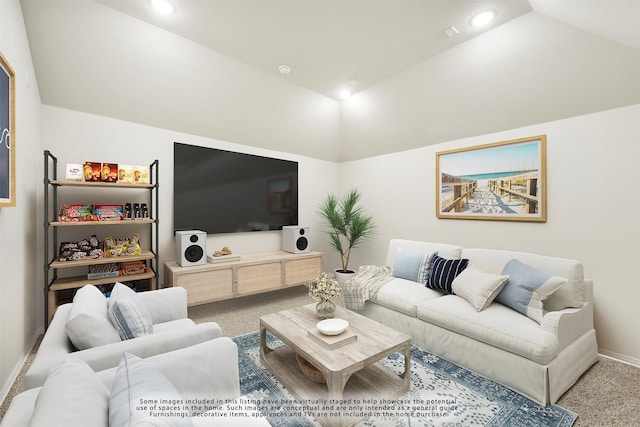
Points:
497	181
7	138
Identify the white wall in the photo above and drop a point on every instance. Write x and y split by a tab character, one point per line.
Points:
593	206
75	137
19	289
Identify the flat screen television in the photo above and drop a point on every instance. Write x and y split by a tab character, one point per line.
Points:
221	191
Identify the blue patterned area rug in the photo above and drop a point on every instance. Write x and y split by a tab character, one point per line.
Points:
446	395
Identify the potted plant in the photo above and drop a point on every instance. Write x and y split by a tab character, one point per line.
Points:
348	227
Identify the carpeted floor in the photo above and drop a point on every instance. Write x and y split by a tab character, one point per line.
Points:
608	394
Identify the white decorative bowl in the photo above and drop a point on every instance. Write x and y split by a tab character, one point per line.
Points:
332	326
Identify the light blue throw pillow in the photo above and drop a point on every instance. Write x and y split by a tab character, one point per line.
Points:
411	265
135	387
527	288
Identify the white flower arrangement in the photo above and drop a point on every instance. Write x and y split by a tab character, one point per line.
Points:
323	288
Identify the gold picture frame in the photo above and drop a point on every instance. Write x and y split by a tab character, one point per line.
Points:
503	181
7	135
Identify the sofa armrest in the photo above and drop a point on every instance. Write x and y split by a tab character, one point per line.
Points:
108	356
208	370
165	304
21	409
569	324
55	345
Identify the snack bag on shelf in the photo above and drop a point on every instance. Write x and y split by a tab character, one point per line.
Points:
122	247
89	248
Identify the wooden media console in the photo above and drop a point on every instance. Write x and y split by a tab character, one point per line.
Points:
251	274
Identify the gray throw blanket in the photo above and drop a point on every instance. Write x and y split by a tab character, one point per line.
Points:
365	285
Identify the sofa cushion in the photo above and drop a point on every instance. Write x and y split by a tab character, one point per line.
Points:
88	324
497	325
412	265
444	271
135	381
172	325
478	287
402	295
71	392
571	294
527	288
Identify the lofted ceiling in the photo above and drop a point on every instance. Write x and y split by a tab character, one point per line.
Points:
211	68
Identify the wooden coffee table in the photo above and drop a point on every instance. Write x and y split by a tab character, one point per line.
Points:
350	370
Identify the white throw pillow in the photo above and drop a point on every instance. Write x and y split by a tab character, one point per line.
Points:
72	395
478	287
136	381
88	324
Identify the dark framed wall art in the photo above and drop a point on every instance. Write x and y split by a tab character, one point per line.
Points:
496	181
7	138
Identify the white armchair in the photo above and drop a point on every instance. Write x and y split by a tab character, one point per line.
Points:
172	330
75	395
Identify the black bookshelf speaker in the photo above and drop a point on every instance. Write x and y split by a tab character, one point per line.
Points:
295	239
191	247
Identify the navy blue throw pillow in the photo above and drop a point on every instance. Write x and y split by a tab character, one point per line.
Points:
443	271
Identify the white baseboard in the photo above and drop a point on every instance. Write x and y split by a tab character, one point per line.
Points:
620	358
6	387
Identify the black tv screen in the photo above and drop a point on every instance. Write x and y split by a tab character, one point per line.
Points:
220	191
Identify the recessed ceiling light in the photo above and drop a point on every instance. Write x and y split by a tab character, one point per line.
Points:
344	94
284	69
164	7
483	18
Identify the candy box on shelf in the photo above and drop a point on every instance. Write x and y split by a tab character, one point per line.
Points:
109	172
141	174
75	213
99	271
91	171
74	172
133	267
125	174
108	212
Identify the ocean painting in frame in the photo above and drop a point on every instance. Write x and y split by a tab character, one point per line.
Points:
7	134
497	181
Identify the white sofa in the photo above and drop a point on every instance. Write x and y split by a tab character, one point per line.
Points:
102	347
540	360
75	395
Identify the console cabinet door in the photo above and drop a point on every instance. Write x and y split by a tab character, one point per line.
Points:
207	286
256	278
298	271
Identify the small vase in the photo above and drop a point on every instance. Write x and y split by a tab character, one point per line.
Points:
325	309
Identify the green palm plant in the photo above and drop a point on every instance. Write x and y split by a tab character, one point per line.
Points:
349	226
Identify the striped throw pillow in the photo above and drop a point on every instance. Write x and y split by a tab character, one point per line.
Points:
443	271
130	319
